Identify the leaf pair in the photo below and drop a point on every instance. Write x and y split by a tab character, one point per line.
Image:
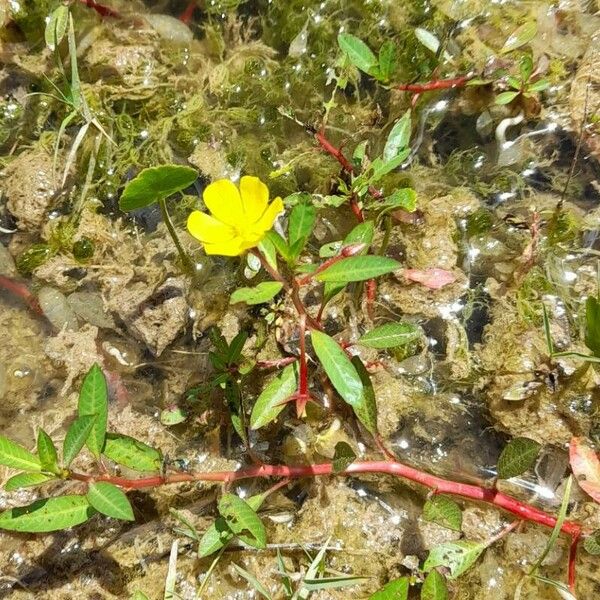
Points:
363	58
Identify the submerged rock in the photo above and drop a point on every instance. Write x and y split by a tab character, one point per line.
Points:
30	188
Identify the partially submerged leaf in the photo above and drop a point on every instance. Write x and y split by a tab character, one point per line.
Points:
517	457
366	409
360	55
271	400
343	457
263	292
49	514
521	36
154	184
592	325
457	557
390	335
132	453
56	27
443	511
586	467
398	137
47	452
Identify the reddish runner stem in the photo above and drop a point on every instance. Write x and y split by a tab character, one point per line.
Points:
436	84
188	13
101	9
443	486
575	537
21	291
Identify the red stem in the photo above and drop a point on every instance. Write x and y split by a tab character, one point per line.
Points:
104	11
346	251
575	537
436	84
442	486
188	13
21	291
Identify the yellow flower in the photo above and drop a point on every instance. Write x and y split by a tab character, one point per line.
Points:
240	219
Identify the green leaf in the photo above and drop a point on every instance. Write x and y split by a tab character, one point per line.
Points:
382	167
358	52
234	352
506	97
16	457
24	480
517	457
77	434
538	86
525	67
393	590
341	372
279	244
56	27
332	583
366	410
49	514
271	400
93	400
172	416
132	453
398	137
434	587
139	596
267	249
428	39
263	292
388	59
390	335
358	268
154	184
242	518
591	543
443	511
592	325
343	457
109	500
404	198
47	452
257	585
302	222
521	36
458	557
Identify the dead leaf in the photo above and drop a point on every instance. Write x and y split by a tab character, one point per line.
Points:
434	279
586	467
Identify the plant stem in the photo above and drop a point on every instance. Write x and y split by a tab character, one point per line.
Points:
439	485
185	259
436	84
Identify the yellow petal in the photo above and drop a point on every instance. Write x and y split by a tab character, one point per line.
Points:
223	200
255	197
207	229
268	218
230	248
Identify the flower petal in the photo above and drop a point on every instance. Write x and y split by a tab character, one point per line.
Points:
232	247
255	197
207	229
268	218
223	200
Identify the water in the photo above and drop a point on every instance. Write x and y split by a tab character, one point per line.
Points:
241	89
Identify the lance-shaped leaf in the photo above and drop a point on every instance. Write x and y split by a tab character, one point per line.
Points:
592	325
358	268
360	55
521	36
109	500
77	434
56	27
341	372
25	480
398	138
302	222
366	410
132	453
50	514
272	399
263	292
16	457
93	400
47	452
243	520
390	335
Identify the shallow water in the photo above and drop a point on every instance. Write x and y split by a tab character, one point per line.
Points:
507	199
